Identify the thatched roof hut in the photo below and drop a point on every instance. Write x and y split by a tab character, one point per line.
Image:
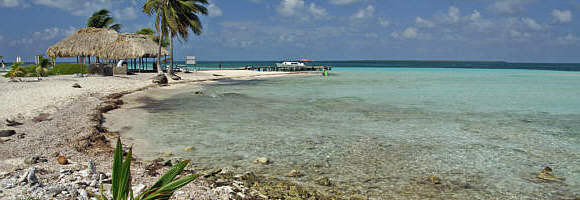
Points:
130	45
85	42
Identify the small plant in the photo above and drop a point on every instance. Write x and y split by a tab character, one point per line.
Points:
163	189
15	71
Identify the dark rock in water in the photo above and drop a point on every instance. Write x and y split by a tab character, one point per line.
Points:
76	85
324	181
7	133
175	77
160	79
262	160
294	173
42	117
547	175
10	122
232	94
249	178
199	92
217	75
433	180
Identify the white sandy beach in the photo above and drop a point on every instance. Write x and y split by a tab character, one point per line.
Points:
71	130
24	100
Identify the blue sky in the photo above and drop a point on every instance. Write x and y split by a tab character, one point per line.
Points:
510	30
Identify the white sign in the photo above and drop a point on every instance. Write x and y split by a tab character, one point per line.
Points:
190	60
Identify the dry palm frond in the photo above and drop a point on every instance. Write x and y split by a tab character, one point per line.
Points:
85	42
131	46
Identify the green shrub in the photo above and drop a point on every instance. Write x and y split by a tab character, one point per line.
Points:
68	69
162	189
17	70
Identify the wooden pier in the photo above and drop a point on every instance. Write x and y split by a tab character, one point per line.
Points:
287	69
253	68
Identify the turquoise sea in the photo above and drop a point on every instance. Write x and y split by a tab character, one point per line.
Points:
381	131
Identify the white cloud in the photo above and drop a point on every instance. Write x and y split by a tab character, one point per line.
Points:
344	2
316	11
47	34
296	8
509	6
475	16
424	23
125	14
214	11
570	38
364	12
75	7
478	21
384	22
519	35
532	24
290	7
561	16
10	3
453	14
410	32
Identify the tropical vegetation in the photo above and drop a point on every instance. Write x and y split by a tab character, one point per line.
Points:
68	68
175	18
43	69
162	189
103	19
151	33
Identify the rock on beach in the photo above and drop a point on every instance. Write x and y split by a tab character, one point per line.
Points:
7	133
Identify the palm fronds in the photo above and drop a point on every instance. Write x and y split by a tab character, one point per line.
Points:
103	19
163	189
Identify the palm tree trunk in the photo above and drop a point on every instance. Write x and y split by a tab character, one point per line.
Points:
170	69
159	69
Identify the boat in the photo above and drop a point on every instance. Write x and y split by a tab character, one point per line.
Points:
290	64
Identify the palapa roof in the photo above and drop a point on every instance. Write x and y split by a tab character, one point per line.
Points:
130	45
85	42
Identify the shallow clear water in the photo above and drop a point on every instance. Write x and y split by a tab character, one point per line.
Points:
381	132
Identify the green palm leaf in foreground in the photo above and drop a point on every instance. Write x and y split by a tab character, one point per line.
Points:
163	189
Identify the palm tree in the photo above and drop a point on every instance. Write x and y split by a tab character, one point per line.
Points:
103	19
175	18
151	33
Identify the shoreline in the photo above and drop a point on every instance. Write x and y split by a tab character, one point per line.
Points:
74	129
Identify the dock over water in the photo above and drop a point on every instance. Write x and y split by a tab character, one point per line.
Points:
180	67
288	68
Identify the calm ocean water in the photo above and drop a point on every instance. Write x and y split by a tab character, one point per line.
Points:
381	130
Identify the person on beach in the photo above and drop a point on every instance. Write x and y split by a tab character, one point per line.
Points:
3	65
